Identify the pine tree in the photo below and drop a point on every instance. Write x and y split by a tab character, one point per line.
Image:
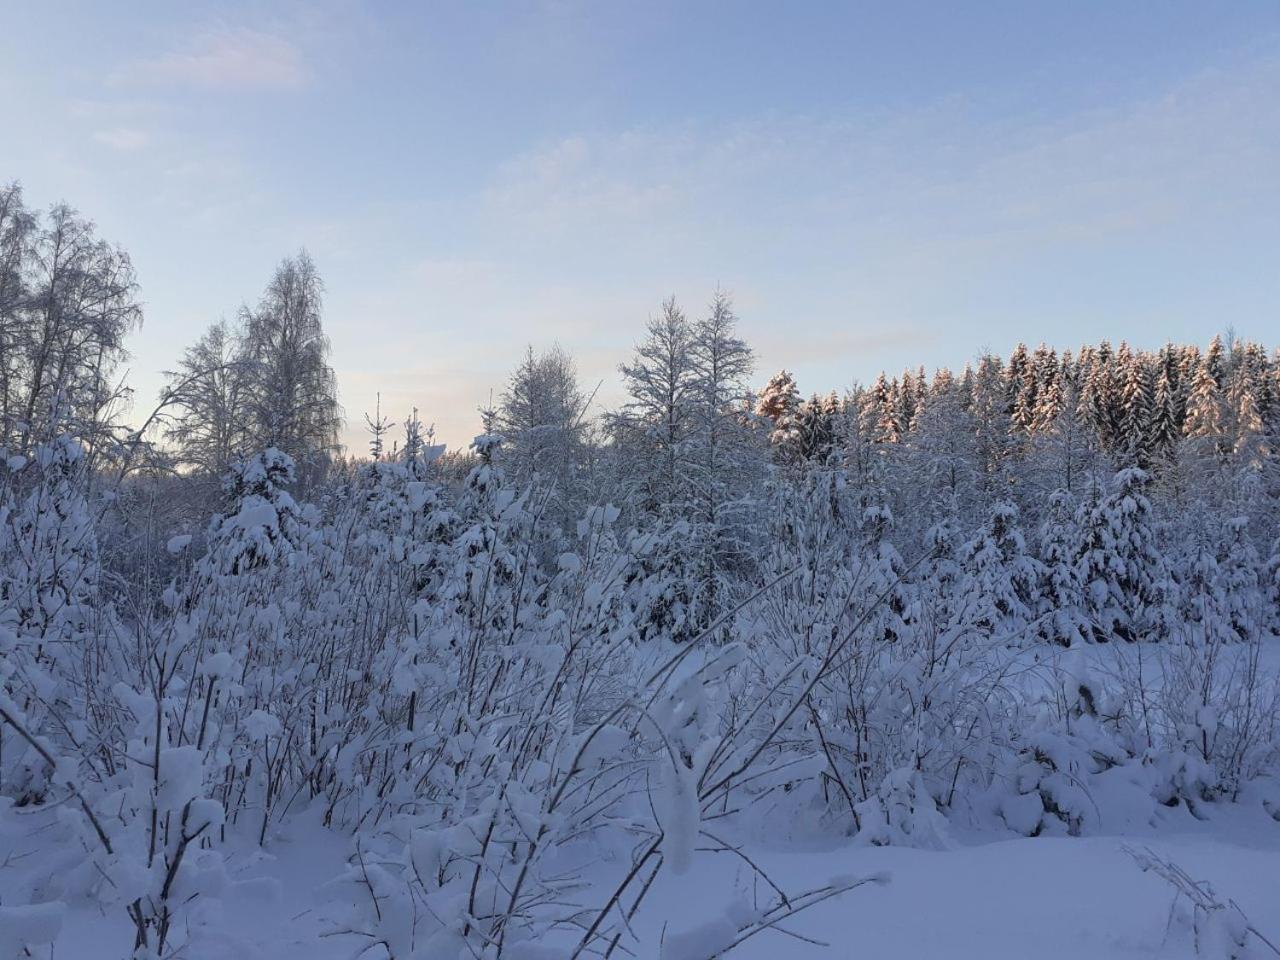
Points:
1098	394
941	583
1271	587
920	397
1047	402
1200	598
812	437
778	398
779	403
879	412
263	523
905	404
1248	433
881	572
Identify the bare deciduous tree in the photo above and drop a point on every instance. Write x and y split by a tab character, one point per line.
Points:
292	394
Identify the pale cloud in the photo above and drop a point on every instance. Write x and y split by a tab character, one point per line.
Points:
454	273
578	180
124	139
939	179
226	59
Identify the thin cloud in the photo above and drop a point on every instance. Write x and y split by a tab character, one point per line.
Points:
226	59
875	184
124	139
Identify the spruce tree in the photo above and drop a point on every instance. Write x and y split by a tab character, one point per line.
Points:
1124	572
1062	617
1002	579
1134	440
1205	429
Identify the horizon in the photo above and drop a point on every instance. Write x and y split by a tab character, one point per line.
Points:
878	189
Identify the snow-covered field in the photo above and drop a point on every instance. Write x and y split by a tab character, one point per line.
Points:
1049	898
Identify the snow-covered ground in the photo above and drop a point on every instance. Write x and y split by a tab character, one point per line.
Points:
1047	898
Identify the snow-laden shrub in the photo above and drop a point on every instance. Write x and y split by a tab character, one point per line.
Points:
896	707
50	610
903	813
545	749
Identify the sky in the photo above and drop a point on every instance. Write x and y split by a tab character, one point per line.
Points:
878	185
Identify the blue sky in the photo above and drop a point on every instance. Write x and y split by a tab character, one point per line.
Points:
878	184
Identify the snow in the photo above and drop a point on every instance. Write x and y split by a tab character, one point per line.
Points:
1050	898
706	939
37	924
182	776
260	725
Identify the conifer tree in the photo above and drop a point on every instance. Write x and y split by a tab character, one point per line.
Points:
814	428
990	411
1098	394
1165	428
879	412
1215	361
1205	430
1248	433
1240	570
1002	578
1062	618
779	402
1125	576
1022	389
1135	412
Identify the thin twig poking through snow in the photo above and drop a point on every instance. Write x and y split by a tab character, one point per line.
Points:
1217	923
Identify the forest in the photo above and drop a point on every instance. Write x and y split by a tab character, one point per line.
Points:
525	683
